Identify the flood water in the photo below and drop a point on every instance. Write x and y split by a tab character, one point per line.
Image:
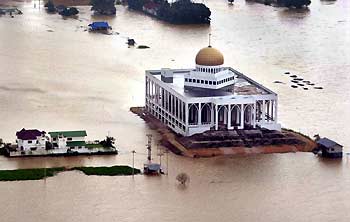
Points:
56	76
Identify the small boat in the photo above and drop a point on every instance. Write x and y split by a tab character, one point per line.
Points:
231	1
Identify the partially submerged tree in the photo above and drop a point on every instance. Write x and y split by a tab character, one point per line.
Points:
108	142
50	7
103	7
294	3
182	178
69	11
185	12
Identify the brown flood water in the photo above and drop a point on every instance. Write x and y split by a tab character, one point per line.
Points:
55	76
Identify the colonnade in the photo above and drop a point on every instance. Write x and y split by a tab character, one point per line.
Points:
180	115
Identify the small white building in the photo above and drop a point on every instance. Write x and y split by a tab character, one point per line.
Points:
68	139
210	96
31	139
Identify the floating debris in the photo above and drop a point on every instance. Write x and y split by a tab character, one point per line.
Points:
294	86
298	79
10	11
279	82
142	47
318	87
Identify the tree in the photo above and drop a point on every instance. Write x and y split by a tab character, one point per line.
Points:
108	142
103	7
50	7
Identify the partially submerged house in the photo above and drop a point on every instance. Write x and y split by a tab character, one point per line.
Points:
34	142
31	139
68	139
330	148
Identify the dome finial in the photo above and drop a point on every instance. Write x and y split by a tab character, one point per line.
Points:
209	40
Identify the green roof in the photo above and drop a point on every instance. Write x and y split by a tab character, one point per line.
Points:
79	133
76	143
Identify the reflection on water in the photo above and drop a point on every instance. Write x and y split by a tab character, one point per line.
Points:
68	79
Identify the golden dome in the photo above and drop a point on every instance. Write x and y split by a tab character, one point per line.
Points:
209	56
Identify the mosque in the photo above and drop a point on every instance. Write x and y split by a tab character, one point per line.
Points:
210	96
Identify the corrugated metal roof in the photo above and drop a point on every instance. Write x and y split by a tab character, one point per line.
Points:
78	133
327	142
153	166
99	25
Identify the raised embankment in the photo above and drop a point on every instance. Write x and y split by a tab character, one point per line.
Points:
228	142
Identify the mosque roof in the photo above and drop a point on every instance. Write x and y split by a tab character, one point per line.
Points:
209	56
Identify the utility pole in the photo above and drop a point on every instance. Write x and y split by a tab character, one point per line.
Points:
133	162
45	172
149	147
160	154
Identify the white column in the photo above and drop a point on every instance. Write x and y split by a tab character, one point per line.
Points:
167	100
242	116
178	102
199	114
276	106
158	94
212	114
237	115
186	118
225	115
272	109
254	115
216	118
146	94
229	117
263	111
182	111
268	110
171	104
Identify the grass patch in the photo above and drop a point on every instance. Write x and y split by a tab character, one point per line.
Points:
29	174
41	173
108	171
